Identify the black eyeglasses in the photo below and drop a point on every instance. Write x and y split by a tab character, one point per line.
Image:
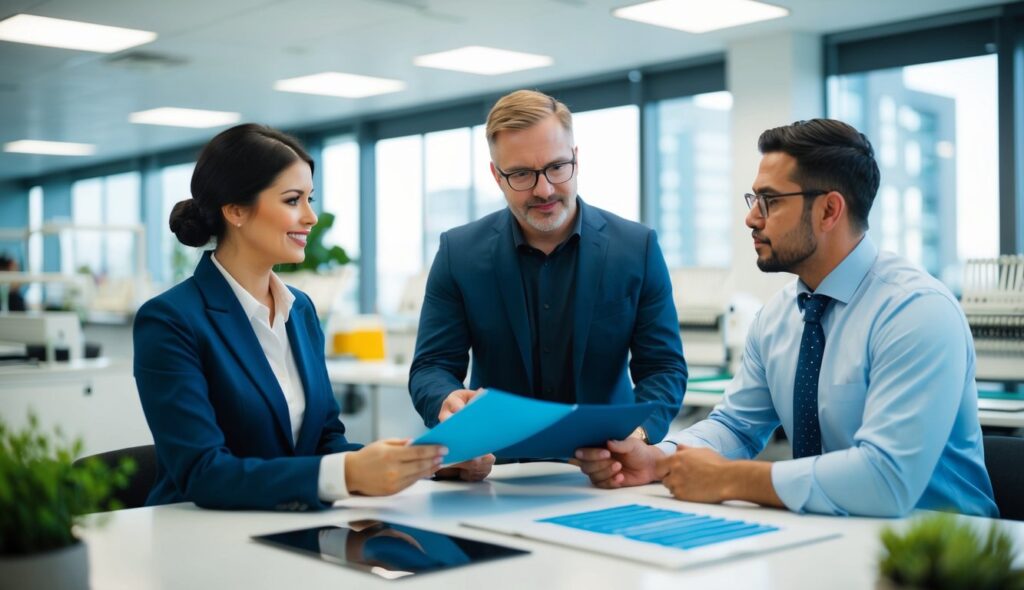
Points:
763	200
526	179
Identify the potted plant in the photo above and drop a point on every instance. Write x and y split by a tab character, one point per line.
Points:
943	552
41	493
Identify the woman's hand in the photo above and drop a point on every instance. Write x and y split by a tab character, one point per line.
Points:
388	466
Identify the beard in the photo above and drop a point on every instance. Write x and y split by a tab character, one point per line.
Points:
546	223
800	244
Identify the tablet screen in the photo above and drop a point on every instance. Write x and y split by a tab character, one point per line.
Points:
387	549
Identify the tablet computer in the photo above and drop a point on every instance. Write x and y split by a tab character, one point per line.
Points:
387	549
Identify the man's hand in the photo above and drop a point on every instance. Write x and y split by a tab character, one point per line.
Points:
629	462
472	470
696	475
455	401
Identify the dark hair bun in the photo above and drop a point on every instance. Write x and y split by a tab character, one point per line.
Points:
189	224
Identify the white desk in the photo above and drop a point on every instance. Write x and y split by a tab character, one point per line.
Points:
181	546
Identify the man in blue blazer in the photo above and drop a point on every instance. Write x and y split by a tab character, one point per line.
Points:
554	297
219	419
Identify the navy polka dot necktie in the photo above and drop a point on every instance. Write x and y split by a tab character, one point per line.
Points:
806	430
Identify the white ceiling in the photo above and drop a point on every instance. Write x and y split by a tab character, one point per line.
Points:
230	52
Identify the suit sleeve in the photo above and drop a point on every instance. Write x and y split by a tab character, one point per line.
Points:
657	365
189	442
442	341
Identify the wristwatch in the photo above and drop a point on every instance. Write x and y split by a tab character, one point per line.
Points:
643	435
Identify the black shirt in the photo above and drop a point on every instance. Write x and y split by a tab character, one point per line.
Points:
549	283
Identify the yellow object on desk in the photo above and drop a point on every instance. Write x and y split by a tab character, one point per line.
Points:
360	336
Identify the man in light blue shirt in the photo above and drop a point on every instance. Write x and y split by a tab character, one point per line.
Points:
866	361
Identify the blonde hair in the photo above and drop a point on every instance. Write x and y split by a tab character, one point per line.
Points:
523	109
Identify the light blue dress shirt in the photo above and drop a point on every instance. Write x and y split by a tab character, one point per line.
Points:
897	401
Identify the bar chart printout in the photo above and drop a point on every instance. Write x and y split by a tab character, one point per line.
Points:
668	528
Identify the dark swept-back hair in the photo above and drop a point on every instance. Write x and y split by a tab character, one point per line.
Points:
232	169
830	155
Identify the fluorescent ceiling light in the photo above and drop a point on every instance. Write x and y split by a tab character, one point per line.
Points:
69	34
176	117
339	84
700	16
488	61
49	148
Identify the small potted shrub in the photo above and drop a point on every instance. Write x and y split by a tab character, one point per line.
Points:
943	552
41	493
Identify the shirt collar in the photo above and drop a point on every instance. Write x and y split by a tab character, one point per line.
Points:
283	297
577	227
842	282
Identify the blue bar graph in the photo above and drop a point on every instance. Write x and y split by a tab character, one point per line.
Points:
668	528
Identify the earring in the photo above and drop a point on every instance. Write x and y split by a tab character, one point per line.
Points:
238	225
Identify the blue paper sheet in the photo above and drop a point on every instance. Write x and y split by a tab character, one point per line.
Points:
520	427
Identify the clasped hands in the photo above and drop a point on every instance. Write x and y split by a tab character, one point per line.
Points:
691	474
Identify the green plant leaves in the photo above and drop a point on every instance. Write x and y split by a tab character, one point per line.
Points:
42	491
942	552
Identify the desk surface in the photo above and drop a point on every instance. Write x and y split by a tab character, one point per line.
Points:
181	546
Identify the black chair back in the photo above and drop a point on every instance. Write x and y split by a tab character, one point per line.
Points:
1004	459
141	482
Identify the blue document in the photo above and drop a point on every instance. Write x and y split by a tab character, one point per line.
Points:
513	426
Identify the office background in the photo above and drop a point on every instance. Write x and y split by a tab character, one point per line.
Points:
666	122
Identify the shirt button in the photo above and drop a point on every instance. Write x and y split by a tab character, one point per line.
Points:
547	306
547	390
547	351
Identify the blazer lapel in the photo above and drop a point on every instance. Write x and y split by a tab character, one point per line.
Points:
299	340
590	265
510	286
227	316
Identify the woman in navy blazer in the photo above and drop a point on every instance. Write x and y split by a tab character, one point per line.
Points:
240	406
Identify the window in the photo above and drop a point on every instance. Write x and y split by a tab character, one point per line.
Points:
448	194
692	203
487	197
340	197
33	292
178	259
399	217
95	204
609	159
934	128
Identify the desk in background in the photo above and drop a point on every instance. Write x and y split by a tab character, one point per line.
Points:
181	546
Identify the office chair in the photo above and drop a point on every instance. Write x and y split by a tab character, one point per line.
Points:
141	481
1003	457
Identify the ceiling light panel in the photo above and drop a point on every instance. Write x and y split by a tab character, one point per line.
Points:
49	148
340	84
487	61
70	34
700	16
178	117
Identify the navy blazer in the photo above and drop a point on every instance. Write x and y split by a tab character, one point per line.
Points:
218	416
624	317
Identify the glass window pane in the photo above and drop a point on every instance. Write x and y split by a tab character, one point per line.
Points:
399	217
86	209
341	193
448	186
33	292
121	207
179	260
487	197
692	205
935	131
609	159
341	198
